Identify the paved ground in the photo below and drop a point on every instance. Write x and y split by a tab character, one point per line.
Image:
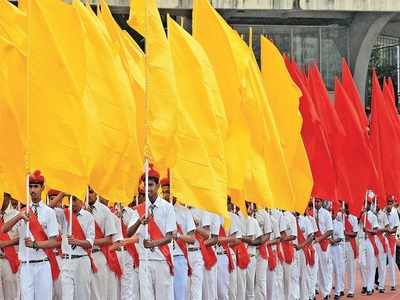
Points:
388	295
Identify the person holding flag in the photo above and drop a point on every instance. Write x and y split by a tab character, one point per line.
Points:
393	218
104	230
351	248
78	265
156	268
39	265
183	237
383	224
9	263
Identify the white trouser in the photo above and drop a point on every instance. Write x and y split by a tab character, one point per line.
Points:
76	275
324	271
223	277
57	286
362	259
180	277
36	282
241	284
250	278
337	261
9	285
370	265
232	289
129	289
113	286
99	283
195	290
261	278
279	292
155	280
210	283
381	261
350	268
314	274
392	267
291	279
304	276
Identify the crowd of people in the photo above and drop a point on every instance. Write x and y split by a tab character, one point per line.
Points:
161	249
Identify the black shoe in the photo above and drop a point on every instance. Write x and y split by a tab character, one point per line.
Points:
381	291
316	292
337	297
369	293
350	295
326	297
341	294
392	288
364	290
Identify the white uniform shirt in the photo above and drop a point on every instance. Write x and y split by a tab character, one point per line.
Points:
382	219
86	221
264	220
185	221
202	218
373	220
353	221
305	226
47	218
104	218
338	231
252	230
276	233
288	225
235	227
324	220
127	215
10	213
393	219
164	216
118	236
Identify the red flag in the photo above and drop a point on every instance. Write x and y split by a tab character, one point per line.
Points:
388	94
315	141
385	144
335	133
354	96
356	151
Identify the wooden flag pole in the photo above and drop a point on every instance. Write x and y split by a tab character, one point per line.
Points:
70	224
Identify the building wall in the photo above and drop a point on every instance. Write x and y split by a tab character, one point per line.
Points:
374	5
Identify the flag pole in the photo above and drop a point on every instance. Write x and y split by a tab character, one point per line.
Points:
70	224
27	209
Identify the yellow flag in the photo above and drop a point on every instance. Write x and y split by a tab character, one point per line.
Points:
201	153
161	94
13	168
111	125
23	5
284	98
13	24
57	131
132	59
211	31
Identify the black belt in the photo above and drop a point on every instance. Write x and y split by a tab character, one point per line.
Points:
222	253
35	261
95	250
73	256
193	249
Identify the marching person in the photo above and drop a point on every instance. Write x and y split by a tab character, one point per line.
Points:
310	215
288	229
253	238
183	237
9	263
336	249
351	249
325	230
77	262
383	224
264	221
200	257
225	264
305	255
39	265
393	218
156	268
275	288
368	256
104	231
